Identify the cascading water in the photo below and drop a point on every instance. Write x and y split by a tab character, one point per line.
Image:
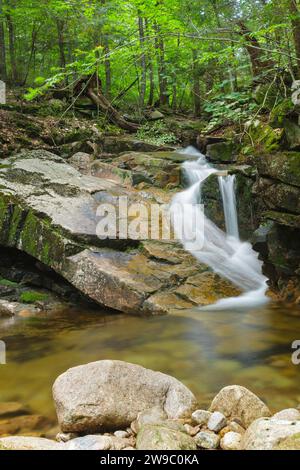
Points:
227	188
224	252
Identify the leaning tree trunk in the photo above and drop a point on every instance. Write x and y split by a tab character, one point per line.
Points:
91	87
258	63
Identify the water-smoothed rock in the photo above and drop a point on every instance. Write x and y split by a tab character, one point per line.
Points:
29	443
48	209
238	402
109	395
271	434
162	437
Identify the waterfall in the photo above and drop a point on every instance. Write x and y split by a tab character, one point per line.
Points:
225	253
227	188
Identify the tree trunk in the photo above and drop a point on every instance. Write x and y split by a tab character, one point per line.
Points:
255	53
151	72
143	82
92	88
196	84
61	43
3	70
296	31
162	77
12	49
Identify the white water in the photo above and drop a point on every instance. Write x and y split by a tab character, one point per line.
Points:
227	188
224	252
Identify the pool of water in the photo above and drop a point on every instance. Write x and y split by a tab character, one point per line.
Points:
205	350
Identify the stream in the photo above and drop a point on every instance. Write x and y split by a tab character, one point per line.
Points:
245	340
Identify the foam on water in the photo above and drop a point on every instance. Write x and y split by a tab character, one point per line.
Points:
225	253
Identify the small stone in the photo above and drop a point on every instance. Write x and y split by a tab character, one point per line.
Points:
121	434
231	441
207	440
201	417
216	422
129	448
290	414
191	430
66	437
224	431
236	427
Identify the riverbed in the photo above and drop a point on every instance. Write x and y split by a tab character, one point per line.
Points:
205	350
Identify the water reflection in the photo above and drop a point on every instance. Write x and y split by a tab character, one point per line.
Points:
206	350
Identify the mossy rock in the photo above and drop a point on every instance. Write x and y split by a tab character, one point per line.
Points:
280	112
31	297
267	95
289	443
263	137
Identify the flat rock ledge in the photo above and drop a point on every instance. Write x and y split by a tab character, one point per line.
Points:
48	209
113	405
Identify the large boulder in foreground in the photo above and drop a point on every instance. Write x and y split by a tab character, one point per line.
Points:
272	434
109	395
238	402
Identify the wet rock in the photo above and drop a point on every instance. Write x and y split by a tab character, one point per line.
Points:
29	443
49	211
238	402
23	424
281	166
268	434
109	395
216	422
201	417
155	415
222	152
161	437
290	414
11	409
207	440
231	441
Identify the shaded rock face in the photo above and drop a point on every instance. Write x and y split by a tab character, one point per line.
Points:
278	189
222	152
48	210
109	395
246	204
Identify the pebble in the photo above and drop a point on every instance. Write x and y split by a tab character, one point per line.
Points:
121	434
207	440
231	441
201	417
216	422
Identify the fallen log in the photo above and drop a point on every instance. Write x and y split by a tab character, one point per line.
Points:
90	86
